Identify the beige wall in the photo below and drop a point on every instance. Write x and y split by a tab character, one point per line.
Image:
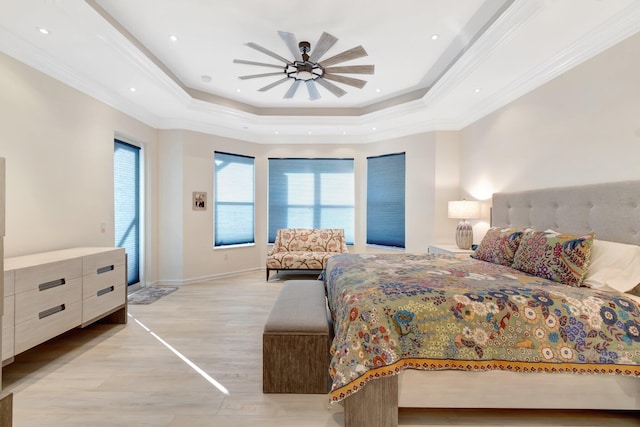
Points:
186	159
582	127
58	145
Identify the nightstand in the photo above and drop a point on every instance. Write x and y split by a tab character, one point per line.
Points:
452	250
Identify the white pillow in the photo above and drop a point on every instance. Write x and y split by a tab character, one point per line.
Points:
616	265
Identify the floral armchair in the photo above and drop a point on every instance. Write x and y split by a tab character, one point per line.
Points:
305	248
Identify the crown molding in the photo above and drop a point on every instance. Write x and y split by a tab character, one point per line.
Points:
504	28
616	29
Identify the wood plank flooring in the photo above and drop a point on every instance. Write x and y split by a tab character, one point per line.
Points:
123	375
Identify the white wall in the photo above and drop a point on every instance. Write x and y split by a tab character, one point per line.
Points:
58	145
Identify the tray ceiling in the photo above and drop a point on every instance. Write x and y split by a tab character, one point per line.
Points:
438	64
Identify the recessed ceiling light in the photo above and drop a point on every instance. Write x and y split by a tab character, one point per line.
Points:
43	30
373	129
476	90
434	37
309	132
132	89
206	78
344	132
378	90
276	132
238	90
173	38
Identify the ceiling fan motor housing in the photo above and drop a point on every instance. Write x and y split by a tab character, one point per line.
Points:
305	47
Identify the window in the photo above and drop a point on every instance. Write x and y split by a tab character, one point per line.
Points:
311	193
126	201
385	200
234	202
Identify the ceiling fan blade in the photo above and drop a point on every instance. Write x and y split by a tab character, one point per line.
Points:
291	42
353	69
325	43
347	55
274	84
262	64
292	89
254	76
331	87
313	90
346	80
266	52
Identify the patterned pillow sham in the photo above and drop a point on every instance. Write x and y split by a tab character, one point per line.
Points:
499	245
563	258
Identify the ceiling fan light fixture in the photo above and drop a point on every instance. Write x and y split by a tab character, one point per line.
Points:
309	68
304	71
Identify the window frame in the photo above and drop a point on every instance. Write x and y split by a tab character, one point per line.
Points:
376	211
218	243
348	164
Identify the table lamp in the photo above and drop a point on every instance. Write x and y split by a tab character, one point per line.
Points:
464	210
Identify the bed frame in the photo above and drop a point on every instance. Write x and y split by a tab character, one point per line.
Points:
612	210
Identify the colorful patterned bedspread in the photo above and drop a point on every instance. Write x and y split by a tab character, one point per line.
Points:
431	312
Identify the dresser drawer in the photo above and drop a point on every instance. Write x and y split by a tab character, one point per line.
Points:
36	331
97	304
8	350
36	303
7	328
9	288
102	261
39	276
97	282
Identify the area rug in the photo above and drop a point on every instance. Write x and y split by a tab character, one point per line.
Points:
149	295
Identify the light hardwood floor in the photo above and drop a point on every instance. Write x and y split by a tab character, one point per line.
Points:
122	375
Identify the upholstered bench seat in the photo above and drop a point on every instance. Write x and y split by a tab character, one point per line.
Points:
296	340
305	248
303	260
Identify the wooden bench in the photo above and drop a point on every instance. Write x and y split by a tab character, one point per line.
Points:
296	340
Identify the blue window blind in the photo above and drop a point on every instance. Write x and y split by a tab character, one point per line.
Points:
311	193
385	200
126	180
234	199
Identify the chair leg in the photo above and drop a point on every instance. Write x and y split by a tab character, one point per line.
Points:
267	274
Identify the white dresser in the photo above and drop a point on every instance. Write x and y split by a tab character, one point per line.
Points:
6	399
47	294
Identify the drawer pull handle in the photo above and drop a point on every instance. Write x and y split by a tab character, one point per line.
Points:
105	269
105	291
53	310
51	284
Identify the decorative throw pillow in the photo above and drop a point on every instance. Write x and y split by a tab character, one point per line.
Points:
499	245
563	258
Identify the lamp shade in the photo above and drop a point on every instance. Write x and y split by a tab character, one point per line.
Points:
464	209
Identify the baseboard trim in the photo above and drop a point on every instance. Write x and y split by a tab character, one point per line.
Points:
177	282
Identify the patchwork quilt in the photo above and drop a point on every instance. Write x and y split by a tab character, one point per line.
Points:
434	312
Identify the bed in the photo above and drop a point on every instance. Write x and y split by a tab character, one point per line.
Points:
420	330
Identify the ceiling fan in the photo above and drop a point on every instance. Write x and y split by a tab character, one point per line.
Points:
308	68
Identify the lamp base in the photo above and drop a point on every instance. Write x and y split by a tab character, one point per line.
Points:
464	235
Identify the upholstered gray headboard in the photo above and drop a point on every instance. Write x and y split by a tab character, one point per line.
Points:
611	210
